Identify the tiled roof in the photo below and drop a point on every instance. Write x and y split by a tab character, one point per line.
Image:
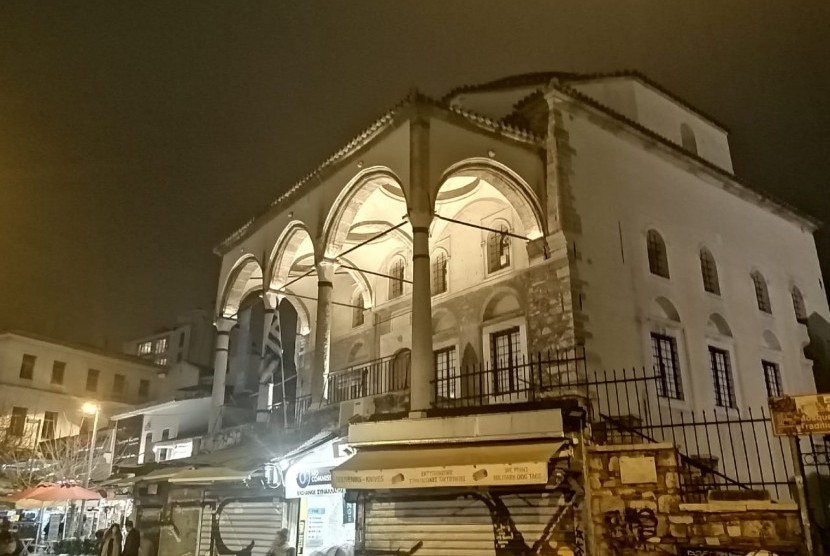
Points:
387	120
540	78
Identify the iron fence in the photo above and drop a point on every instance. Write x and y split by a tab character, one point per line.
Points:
381	376
511	380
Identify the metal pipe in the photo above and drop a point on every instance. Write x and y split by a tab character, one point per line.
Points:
480	227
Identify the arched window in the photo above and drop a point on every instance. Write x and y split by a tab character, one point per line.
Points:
709	271
358	308
439	272
396	278
498	249
798	304
658	260
687	138
761	292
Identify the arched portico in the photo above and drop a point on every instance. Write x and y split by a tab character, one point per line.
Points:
245	277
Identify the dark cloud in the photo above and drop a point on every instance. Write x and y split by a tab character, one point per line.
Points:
134	136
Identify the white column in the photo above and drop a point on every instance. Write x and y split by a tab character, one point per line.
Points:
265	396
322	332
420	216
220	371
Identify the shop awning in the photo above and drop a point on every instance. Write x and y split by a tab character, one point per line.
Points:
209	475
447	466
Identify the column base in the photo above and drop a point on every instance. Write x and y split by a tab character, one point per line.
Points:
417	414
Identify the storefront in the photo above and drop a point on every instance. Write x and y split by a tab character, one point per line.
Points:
321	520
458	496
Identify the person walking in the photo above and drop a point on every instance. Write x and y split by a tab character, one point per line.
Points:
112	541
280	545
132	541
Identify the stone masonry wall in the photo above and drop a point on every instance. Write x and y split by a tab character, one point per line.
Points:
636	508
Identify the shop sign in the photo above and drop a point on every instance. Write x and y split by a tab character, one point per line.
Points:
528	473
800	415
309	481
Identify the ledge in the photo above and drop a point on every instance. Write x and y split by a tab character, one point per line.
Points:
646	447
749	506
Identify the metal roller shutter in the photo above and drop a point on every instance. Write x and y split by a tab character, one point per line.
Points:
467	525
243	521
205	523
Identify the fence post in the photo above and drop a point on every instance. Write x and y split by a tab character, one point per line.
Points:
804	510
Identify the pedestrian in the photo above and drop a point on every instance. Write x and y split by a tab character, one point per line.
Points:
10	545
132	541
280	545
112	541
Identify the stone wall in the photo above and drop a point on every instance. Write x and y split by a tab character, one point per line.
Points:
636	508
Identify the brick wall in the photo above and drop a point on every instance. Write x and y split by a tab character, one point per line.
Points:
636	508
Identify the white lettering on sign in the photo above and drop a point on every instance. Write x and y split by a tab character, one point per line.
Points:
450	476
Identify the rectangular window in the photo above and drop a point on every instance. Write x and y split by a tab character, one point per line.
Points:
439	273
181	340
506	354
160	346
772	377
722	377
50	423
92	380
498	249
17	422
449	380
58	367
165	434
143	388
118	384
145	348
27	367
664	353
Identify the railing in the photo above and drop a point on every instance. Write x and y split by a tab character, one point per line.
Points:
292	412
381	376
520	380
719	449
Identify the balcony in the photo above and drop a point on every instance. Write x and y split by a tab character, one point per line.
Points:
381	387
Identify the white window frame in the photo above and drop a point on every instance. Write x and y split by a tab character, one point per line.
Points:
728	345
450	342
497	326
494	223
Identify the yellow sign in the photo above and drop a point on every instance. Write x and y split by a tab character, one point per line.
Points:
797	415
491	474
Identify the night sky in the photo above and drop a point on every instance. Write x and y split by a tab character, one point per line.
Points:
134	136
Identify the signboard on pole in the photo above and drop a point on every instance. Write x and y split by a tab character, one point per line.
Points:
800	415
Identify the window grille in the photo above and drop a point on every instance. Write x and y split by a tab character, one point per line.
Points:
439	273
658	261
664	352
506	353
498	249
761	292
709	271
447	372
722	377
396	273
799	306
358	317
772	378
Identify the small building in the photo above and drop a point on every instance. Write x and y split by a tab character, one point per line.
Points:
44	383
190	340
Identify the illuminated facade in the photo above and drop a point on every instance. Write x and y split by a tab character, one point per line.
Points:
527	214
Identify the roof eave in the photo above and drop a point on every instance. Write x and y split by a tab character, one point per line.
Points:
786	210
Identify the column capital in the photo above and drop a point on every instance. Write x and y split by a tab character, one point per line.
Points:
224	324
325	270
420	220
271	299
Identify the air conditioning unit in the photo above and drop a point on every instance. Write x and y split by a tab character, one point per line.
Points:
356	410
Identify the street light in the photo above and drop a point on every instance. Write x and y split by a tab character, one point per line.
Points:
90	408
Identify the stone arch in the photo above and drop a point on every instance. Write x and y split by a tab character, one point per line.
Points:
719	325
665	309
284	252
303	314
770	341
501	303
245	277
510	184
348	202
363	284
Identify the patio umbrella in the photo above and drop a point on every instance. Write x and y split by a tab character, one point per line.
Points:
52	493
